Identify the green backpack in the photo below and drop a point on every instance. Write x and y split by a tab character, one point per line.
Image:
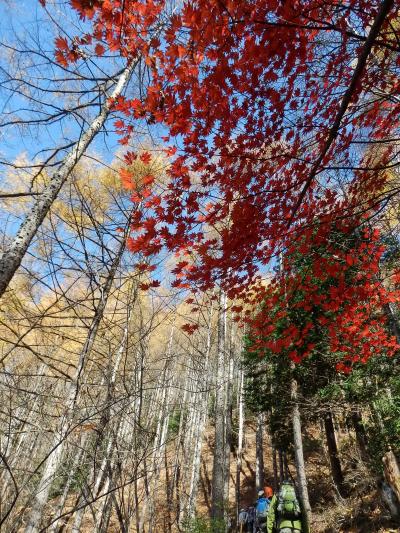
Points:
288	505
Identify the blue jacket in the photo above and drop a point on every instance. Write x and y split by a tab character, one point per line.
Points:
262	503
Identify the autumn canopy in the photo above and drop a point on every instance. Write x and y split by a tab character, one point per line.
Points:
280	122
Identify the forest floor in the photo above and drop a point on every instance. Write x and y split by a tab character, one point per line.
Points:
362	512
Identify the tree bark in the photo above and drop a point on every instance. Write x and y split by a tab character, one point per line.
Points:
392	321
390	500
203	415
184	446
194	479
260	452
285	465
392	472
218	504
281	467
275	468
299	456
336	467
239	452
228	429
361	436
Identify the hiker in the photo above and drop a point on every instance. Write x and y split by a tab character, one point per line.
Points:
243	516
251	516
262	506
284	514
268	492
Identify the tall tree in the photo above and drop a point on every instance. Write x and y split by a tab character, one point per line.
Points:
218	474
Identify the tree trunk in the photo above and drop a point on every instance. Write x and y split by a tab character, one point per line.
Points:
218	486
392	472
361	436
203	415
260	452
299	456
184	444
392	321
239	452
105	509
228	430
275	468
281	466
166	411
336	467
390	500
11	258
285	465
195	474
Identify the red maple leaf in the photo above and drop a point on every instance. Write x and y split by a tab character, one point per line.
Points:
145	157
99	49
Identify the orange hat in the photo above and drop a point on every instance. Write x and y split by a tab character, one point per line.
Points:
268	492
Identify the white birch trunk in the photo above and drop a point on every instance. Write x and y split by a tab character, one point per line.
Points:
189	511
218	485
102	505
240	443
195	473
299	457
228	429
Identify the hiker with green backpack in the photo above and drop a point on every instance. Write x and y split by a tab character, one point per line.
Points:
284	515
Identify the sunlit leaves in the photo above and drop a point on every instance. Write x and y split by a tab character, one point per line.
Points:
256	92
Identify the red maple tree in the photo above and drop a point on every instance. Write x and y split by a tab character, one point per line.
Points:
279	114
